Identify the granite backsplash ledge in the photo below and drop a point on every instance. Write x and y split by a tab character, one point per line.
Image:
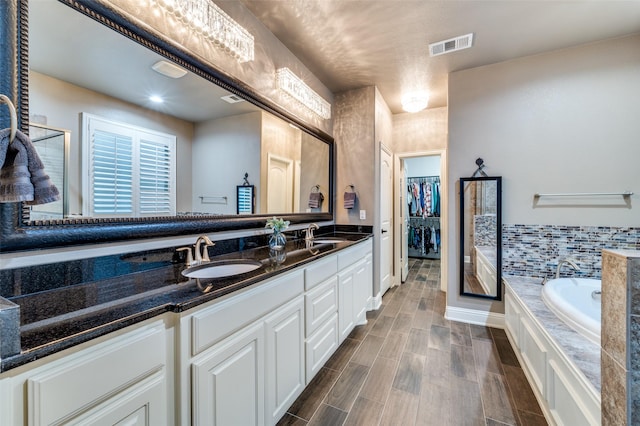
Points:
67	303
33	279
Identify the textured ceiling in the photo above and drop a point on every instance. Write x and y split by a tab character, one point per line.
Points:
354	43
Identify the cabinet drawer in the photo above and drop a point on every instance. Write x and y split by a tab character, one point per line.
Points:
320	304
220	320
319	271
321	345
86	379
350	256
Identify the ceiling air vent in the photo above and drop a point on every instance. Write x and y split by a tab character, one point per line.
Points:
232	99
451	45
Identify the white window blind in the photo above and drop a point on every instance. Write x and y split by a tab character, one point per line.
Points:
131	170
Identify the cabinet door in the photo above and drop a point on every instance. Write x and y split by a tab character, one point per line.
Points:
284	358
346	296
143	404
361	292
228	380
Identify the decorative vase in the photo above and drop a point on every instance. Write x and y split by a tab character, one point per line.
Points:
277	244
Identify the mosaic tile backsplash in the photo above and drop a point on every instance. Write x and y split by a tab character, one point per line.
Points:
534	250
484	228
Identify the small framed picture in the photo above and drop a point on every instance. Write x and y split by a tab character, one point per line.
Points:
245	195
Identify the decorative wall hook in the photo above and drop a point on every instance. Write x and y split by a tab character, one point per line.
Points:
246	180
479	171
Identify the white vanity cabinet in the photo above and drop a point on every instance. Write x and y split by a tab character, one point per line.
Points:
354	287
285	358
121	380
245	358
241	359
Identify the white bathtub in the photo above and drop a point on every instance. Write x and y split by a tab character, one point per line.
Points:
572	301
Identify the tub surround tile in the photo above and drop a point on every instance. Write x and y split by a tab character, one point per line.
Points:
614	306
584	353
634	380
633	273
620	348
614	392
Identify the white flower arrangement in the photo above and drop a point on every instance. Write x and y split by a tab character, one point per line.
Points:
278	225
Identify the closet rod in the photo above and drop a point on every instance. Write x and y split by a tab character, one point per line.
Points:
584	194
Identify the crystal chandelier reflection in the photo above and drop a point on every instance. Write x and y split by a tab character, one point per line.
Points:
293	86
213	23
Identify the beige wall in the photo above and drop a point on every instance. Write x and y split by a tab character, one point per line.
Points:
354	132
564	121
314	163
223	151
58	104
421	131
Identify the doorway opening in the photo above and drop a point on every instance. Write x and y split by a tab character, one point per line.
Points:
421	212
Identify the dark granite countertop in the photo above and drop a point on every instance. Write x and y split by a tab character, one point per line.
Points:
57	318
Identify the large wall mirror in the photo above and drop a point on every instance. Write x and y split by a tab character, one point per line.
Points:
212	133
481	237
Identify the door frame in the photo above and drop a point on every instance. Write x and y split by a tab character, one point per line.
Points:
378	221
444	237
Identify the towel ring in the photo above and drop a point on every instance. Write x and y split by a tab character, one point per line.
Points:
14	117
316	188
353	188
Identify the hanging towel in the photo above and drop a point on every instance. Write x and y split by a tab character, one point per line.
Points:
349	200
22	175
315	200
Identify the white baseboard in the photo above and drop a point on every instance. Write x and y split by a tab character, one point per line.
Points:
473	316
374	303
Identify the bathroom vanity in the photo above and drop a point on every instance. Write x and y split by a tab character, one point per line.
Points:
239	354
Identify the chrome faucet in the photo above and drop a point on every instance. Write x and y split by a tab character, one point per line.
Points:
569	261
308	238
202	254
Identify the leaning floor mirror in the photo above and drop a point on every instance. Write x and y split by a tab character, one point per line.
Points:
481	237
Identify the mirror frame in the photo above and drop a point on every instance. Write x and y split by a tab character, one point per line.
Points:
18	233
498	180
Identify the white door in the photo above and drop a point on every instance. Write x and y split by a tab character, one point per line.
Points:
386	219
404	224
279	185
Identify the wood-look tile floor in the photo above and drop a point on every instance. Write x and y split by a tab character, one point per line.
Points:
410	366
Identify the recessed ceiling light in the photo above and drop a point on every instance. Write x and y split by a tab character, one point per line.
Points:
168	69
157	99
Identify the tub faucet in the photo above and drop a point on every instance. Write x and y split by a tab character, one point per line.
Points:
569	261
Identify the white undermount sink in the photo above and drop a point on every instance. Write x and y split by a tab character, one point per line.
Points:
328	240
222	268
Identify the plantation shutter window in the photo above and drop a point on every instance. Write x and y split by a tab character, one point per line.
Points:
130	170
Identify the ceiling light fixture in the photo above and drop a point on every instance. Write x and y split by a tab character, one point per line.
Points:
213	23
293	86
168	69
415	102
156	99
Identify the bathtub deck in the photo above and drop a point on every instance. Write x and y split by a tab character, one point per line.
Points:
584	353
